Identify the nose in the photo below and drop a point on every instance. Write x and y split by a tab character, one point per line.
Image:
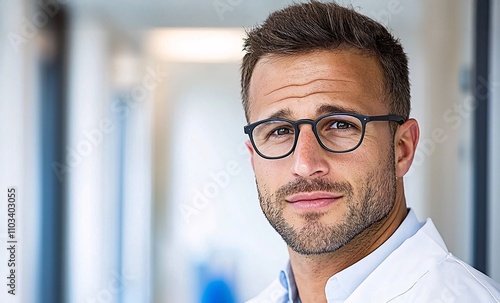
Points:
309	159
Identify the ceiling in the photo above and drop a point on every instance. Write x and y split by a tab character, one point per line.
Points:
143	14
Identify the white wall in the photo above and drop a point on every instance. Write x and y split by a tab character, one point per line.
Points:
445	152
92	234
109	180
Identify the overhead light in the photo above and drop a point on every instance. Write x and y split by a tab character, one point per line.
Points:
209	45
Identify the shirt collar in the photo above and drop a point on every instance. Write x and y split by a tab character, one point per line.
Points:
287	280
340	286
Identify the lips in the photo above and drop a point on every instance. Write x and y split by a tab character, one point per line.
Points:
313	201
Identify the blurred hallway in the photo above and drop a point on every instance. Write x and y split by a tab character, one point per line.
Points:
122	132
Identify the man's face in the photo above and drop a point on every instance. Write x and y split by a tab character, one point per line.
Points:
315	199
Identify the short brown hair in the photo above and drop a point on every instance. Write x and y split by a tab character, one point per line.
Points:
305	27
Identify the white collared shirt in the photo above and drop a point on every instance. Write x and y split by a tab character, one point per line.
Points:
413	265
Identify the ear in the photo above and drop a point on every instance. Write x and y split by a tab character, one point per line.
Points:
405	146
252	153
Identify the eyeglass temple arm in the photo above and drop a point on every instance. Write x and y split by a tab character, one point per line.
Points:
395	118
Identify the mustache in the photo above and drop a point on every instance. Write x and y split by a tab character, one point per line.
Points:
303	185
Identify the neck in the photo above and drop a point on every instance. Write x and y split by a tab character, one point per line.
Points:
312	272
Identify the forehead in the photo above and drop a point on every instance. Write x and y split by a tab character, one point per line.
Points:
304	82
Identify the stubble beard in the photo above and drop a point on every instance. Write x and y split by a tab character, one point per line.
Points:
370	204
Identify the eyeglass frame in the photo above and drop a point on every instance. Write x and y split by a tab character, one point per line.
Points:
248	129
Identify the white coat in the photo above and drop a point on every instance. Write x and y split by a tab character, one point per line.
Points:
420	270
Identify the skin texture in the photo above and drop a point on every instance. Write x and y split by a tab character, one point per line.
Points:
332	209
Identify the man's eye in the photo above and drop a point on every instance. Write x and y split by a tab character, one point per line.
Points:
282	131
341	125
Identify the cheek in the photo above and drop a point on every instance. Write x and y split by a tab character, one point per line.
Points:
374	151
353	163
270	174
353	170
355	167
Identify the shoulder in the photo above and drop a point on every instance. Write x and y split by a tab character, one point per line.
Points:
274	293
423	270
445	278
455	281
451	279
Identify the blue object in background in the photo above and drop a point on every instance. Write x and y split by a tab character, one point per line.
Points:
215	283
217	291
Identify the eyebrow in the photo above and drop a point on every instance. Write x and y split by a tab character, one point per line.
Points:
331	109
281	114
322	110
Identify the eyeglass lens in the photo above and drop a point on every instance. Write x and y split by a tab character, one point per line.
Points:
338	133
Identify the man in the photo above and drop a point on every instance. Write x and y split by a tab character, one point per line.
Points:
327	98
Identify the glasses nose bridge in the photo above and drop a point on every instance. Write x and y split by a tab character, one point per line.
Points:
305	121
313	128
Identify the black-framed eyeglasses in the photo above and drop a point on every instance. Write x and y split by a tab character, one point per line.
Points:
338	133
